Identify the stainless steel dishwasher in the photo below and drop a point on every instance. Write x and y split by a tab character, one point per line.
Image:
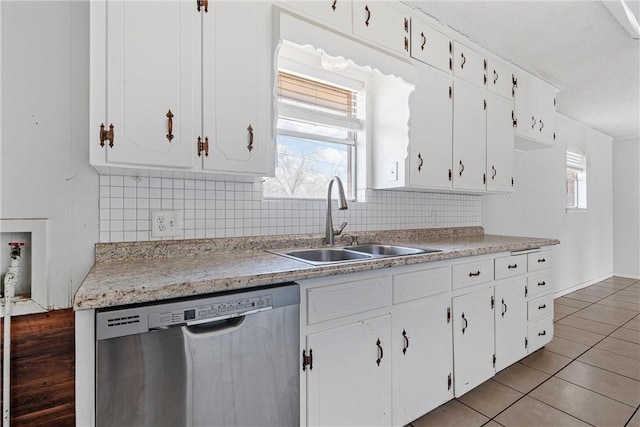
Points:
218	360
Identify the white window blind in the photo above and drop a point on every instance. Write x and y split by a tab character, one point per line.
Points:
313	102
576	160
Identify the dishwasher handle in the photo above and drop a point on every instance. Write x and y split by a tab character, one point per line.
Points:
211	329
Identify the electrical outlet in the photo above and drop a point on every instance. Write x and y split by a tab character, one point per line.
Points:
166	224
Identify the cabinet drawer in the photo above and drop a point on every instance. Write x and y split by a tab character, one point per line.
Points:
539	284
420	284
540	333
510	266
472	273
539	260
347	298
540	307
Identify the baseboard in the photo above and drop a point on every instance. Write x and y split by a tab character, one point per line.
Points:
627	276
582	285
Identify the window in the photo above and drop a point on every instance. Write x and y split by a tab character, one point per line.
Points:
576	179
317	130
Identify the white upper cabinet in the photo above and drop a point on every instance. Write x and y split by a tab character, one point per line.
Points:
469	137
143	82
430	147
500	136
431	46
500	78
236	87
382	23
180	82
335	13
469	64
534	106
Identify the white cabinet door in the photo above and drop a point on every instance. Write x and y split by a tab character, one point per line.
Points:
469	137
546	105
473	340
500	139
525	106
510	323
430	147
422	358
145	80
469	64
431	46
237	82
350	383
336	13
500	78
382	23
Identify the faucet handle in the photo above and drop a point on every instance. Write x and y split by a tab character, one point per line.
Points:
339	230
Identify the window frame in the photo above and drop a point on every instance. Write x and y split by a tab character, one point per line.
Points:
576	164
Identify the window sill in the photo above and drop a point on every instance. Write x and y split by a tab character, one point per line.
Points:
576	210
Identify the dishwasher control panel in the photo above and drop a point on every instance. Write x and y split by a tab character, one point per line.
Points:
211	312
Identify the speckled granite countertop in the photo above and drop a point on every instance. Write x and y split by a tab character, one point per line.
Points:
130	273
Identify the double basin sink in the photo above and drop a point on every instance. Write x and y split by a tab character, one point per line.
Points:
331	255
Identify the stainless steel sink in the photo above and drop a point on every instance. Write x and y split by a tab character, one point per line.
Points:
331	255
385	250
325	255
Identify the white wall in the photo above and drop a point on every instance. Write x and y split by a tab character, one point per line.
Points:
626	207
45	152
537	206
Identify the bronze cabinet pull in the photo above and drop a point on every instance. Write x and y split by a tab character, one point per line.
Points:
542	260
495	76
493	175
541	125
380	352
533	122
106	135
476	274
510	266
170	125
504	308
420	162
366	8
461	167
250	145
424	40
543	333
464	60
333	6
540	307
464	327
543	283
406	341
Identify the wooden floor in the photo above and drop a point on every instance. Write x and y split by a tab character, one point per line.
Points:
43	369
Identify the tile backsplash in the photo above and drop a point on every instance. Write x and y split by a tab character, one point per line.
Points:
233	209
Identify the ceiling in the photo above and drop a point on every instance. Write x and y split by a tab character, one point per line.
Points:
577	46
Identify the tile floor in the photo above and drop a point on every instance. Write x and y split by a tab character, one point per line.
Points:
589	374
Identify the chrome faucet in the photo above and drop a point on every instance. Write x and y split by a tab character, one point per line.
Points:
330	233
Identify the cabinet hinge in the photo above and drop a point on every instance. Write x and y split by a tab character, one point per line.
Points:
449	382
526	342
450	174
450	92
514	120
485	104
203	146
485	65
484	178
512	181
448	314
202	4
494	360
406	44
554	102
307	360
526	291
485	79
450	47
106	135
554	136
493	301
450	64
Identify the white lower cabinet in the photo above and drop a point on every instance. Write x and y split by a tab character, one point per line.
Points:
510	323
386	347
349	382
422	358
473	339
